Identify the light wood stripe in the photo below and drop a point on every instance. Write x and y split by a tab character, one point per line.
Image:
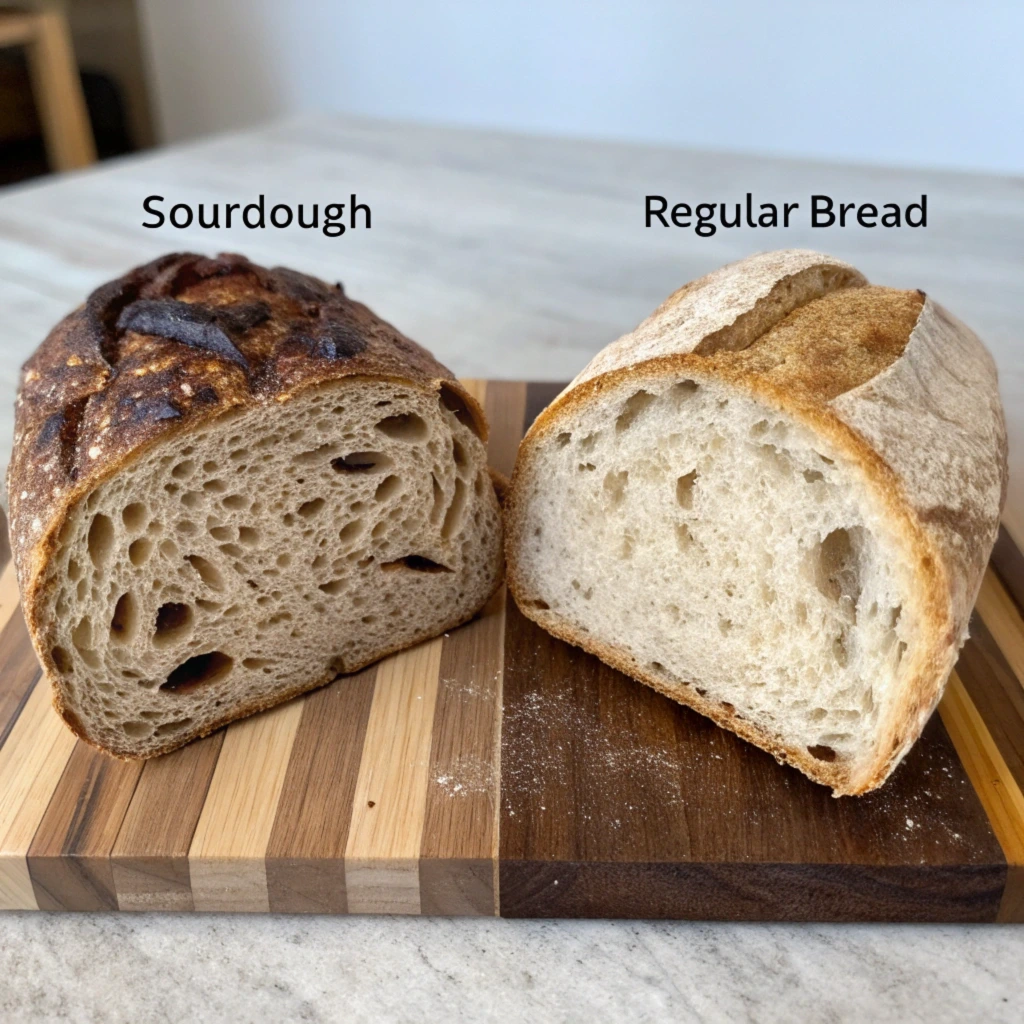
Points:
456	866
227	856
1003	619
31	764
386	831
994	783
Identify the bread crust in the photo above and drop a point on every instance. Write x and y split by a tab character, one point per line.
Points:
154	354
884	424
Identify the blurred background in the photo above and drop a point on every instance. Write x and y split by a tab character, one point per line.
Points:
911	84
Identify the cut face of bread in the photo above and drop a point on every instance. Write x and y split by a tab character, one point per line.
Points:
724	553
264	553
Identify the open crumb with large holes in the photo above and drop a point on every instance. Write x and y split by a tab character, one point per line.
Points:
263	554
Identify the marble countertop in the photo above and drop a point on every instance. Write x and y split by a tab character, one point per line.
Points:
511	257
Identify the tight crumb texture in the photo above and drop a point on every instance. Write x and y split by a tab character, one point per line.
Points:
727	553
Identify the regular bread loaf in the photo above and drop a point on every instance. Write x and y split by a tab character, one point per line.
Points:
229	485
774	502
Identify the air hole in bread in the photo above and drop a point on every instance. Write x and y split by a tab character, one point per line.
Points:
173	623
101	540
310	508
139	551
198	670
418	563
455	403
333	588
135	516
183	469
406	427
234	502
438	504
633	407
456	510
822	752
684	489
192	499
137	729
542	606
316	455
837	566
255	663
361	462
812	476
563	439
683	390
208	572
249	536
61	659
172	728
125	623
387	488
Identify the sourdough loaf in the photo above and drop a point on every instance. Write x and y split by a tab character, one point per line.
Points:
774	502
230	484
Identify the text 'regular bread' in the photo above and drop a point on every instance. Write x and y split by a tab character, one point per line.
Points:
773	501
230	484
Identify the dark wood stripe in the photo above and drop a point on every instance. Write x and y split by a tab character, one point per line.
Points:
69	859
1008	563
150	855
305	855
598	769
20	670
539	395
996	693
751	892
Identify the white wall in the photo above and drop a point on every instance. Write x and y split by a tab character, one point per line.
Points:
884	81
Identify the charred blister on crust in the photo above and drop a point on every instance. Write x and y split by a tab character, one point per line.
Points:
185	322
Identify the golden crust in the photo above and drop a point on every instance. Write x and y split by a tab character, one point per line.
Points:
841	341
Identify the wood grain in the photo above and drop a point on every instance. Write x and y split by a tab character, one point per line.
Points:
385	835
227	856
150	856
69	858
995	785
1002	618
305	859
32	761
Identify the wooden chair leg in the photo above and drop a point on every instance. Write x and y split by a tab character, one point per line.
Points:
58	92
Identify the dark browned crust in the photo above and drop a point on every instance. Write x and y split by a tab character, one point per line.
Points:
227	335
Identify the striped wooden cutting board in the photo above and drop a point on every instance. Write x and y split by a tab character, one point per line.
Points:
496	770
